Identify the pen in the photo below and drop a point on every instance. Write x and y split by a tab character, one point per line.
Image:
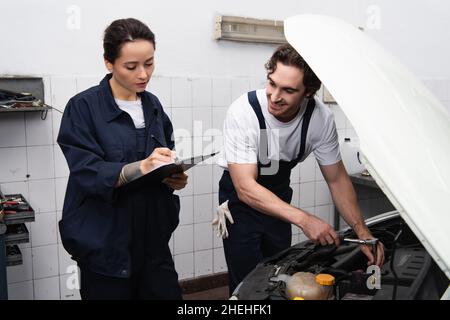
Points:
163	145
159	142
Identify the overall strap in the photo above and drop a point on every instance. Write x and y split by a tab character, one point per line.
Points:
263	141
306	119
253	100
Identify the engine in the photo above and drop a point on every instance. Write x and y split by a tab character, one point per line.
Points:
408	271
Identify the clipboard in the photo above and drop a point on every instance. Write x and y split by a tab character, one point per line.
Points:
166	170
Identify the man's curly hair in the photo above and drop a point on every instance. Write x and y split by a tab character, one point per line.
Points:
287	55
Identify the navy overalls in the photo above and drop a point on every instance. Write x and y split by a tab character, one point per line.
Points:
255	236
118	236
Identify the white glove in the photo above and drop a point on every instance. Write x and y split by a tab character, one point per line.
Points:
219	223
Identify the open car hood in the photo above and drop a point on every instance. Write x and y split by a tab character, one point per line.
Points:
404	131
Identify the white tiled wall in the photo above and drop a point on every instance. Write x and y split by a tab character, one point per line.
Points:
28	147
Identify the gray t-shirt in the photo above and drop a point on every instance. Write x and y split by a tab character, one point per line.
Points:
241	134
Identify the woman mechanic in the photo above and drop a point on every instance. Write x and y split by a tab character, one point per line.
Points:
111	134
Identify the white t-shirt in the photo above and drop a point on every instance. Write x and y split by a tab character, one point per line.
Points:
134	109
241	134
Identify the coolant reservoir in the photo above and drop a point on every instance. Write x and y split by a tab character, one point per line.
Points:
308	286
349	149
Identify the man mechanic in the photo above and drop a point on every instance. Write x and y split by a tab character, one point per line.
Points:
267	132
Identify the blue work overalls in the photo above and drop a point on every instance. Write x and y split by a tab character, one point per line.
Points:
118	236
254	235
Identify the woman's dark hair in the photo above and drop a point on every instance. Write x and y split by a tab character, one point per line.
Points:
287	55
121	31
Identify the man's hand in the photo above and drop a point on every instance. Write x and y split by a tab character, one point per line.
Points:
345	200
367	250
177	181
220	221
318	230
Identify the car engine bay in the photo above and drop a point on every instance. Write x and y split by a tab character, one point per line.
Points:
408	271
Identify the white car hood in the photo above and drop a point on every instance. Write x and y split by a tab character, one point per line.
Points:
404	130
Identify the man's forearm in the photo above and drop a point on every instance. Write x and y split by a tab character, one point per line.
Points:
345	200
265	201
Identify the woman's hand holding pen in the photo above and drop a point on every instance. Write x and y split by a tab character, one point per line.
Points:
177	181
158	157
